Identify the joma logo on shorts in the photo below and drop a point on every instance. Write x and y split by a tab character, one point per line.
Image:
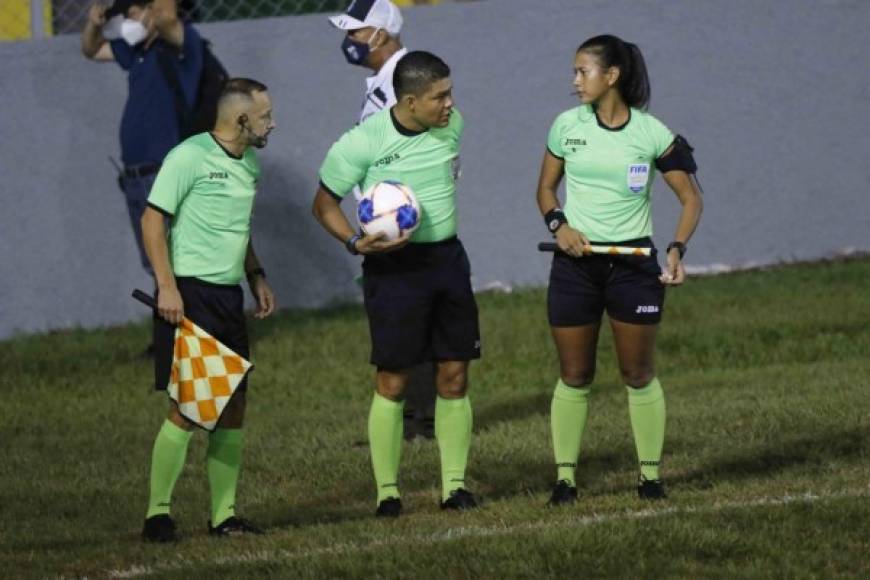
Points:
387	160
651	309
218	175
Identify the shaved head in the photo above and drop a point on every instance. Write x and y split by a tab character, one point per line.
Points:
237	97
244	113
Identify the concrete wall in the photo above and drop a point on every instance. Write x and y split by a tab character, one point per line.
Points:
774	96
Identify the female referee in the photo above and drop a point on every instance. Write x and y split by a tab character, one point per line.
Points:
609	148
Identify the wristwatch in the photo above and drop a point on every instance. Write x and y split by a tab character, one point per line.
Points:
350	244
680	246
554	219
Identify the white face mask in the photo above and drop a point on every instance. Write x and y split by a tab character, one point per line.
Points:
133	32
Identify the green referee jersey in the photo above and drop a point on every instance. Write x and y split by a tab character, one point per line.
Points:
379	149
210	196
608	171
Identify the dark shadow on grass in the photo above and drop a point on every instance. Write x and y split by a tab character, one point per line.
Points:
504	480
318	511
802	451
54	544
515	408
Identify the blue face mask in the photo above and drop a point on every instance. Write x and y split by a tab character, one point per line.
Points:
357	52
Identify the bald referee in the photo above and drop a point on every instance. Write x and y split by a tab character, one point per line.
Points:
417	294
206	188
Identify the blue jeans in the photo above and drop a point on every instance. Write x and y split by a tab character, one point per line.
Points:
136	190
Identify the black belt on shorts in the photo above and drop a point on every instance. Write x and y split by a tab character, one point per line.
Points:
200	282
141	170
445	241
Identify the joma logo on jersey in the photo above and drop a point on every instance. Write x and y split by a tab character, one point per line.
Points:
574	142
387	160
218	175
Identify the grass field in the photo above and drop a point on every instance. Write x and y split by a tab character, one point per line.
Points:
766	458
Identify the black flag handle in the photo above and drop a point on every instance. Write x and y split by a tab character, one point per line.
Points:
144	298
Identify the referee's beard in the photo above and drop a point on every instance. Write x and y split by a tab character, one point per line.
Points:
258	141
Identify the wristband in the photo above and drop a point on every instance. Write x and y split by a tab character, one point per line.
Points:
680	246
351	244
555	219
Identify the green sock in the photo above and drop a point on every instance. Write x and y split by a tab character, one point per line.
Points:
223	463
385	439
453	418
646	406
567	422
167	461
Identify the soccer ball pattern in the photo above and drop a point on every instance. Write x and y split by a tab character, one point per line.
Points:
389	207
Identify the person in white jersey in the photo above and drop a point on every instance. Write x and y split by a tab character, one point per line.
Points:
372	40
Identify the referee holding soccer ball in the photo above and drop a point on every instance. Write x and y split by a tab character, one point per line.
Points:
417	291
372	41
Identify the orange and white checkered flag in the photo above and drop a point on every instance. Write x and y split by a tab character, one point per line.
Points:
205	372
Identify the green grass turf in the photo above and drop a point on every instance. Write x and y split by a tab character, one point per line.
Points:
766	378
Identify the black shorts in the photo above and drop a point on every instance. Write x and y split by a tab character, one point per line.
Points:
216	308
628	287
420	305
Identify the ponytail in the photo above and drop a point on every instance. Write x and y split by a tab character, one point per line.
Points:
633	84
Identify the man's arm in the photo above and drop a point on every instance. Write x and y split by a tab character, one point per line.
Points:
94	46
257	281
169	304
328	213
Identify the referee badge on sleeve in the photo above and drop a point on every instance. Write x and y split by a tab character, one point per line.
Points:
638	176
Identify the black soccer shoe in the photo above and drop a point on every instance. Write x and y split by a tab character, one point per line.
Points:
651	488
563	494
233	526
389	508
460	499
159	529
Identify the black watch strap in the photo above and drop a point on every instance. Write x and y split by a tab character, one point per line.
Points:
350	244
680	246
555	218
256	272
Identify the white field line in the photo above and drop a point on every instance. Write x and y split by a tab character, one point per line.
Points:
342	549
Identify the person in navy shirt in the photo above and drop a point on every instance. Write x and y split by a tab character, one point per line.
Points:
146	38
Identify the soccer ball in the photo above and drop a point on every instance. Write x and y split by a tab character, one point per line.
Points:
389	207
